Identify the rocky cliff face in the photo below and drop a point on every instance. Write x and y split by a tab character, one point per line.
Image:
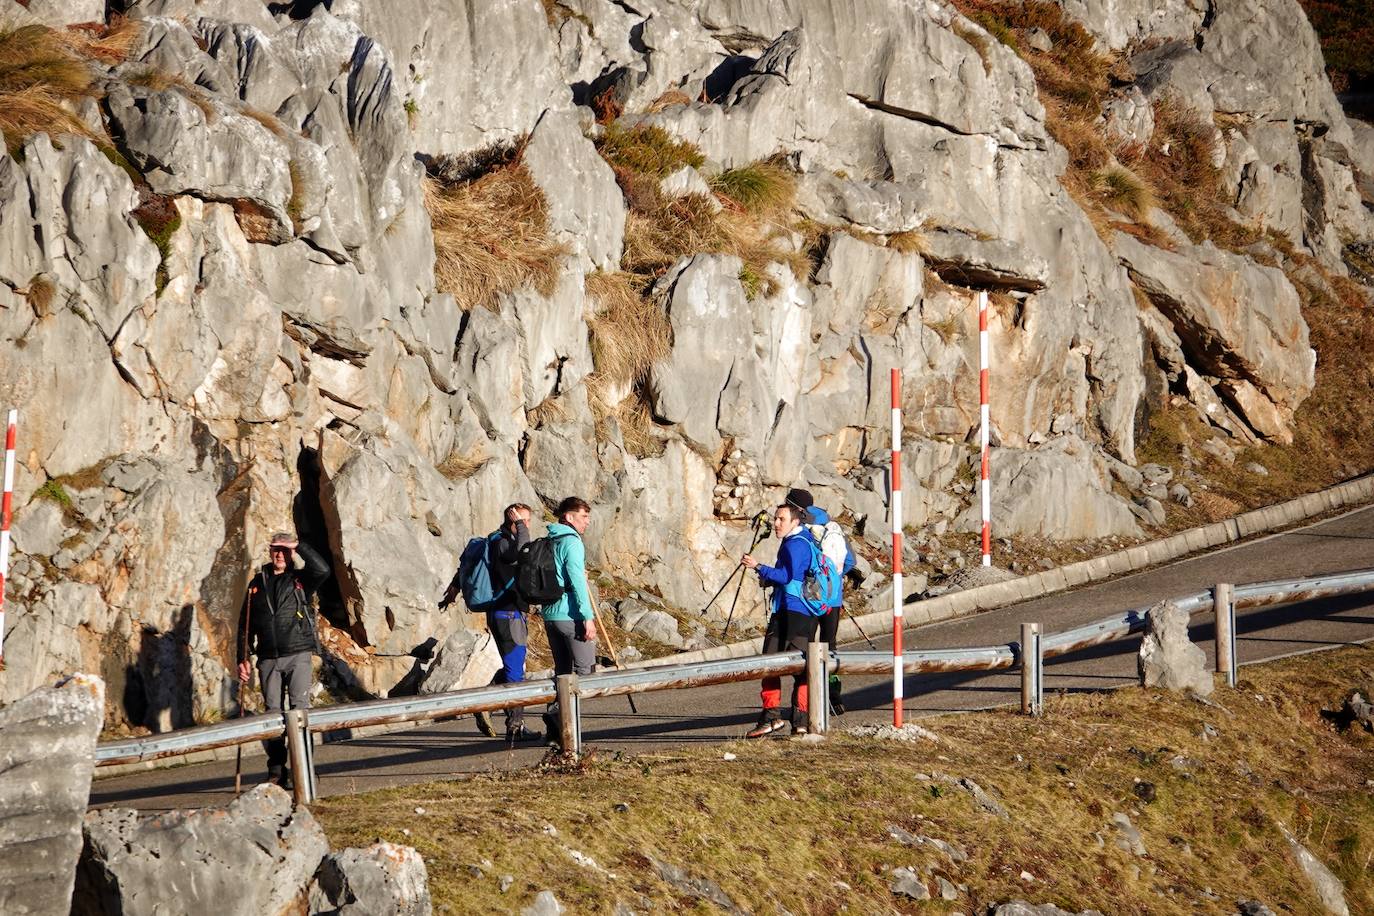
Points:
220	315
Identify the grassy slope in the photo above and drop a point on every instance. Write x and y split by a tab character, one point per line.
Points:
784	823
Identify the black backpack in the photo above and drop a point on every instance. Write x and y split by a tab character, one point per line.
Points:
536	576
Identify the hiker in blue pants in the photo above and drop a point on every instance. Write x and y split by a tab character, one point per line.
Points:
506	621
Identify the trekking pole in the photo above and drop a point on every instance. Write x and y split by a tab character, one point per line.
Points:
243	707
601	627
759	522
760	533
855	620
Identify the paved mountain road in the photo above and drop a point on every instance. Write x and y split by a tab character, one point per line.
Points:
723	712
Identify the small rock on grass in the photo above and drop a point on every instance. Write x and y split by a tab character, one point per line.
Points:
908	732
544	904
906	883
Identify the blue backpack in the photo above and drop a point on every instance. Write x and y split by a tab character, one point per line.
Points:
480	591
821	589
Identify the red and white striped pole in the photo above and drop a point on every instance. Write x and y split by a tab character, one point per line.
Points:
896	504
986	490
5	504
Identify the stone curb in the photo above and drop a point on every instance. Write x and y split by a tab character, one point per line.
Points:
946	607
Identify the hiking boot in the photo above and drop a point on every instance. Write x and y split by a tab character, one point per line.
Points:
798	730
765	727
484	724
276	776
521	733
836	704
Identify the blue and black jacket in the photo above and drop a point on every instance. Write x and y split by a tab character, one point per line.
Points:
794	559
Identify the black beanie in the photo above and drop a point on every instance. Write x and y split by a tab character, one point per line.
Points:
801	499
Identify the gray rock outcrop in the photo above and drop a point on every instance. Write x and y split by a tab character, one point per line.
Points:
255	856
1167	658
466	659
47	748
1328	888
383	879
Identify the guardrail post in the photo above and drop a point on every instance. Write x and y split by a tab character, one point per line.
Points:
817	688
297	748
1032	682
1225	610
569	714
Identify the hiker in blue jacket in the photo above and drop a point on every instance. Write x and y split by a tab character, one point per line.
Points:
570	623
791	625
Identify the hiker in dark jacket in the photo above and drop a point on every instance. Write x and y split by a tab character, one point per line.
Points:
281	631
507	624
791	625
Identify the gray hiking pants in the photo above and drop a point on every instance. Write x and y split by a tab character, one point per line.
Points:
280	678
570	656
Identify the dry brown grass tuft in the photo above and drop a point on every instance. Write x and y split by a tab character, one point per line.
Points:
646	150
669	99
266	119
491	236
108	43
913	241
461	467
629	333
766	189
1123	191
40	75
40	294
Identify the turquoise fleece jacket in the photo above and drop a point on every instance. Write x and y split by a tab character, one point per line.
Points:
571	558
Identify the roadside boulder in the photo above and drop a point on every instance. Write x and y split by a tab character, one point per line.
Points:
1022	908
1328	888
1167	658
47	747
467	659
255	857
382	880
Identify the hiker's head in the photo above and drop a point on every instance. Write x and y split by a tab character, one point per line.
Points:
516	512
785	520
575	513
280	549
799	499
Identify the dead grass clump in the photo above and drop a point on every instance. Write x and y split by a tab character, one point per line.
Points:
470	166
40	76
913	241
40	294
491	236
270	121
979	41
647	150
764	188
629	333
1123	191
460	467
110	43
669	99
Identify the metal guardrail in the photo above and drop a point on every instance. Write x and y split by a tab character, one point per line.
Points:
670	677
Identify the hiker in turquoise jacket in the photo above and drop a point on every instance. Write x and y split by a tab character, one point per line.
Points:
570	622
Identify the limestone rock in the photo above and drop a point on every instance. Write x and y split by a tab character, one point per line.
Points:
384	879
545	904
907	883
1022	908
466	659
660	627
47	747
1127	836
256	855
1030	495
1167	658
1328	888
